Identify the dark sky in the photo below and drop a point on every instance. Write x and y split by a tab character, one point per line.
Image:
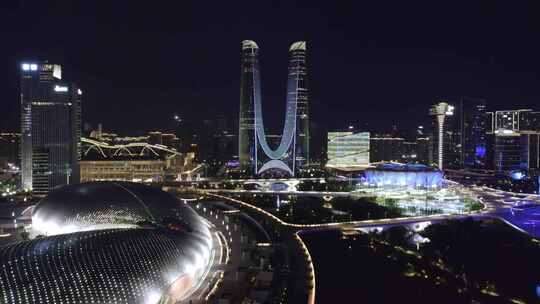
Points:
371	63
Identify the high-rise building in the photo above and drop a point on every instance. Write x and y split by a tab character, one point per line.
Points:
511	119
348	150
50	128
9	148
385	148
507	150
297	90
529	121
490	122
445	136
530	150
409	154
473	129
248	84
422	150
255	154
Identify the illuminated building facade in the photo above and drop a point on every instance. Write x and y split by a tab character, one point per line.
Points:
107	243
348	150
530	150
473	131
255	154
445	136
132	161
507	150
404	175
409	152
133	170
515	120
50	128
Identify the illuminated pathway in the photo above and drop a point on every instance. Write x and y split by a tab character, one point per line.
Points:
300	193
522	211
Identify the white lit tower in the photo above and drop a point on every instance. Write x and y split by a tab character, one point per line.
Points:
442	139
255	154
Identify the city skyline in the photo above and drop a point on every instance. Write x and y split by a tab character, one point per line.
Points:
280	152
386	71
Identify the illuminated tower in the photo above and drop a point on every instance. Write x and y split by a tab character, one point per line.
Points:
255	154
249	77
50	128
442	135
297	90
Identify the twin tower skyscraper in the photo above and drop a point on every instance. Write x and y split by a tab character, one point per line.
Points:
255	154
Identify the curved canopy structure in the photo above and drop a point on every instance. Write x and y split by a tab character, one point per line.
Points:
106	150
276	164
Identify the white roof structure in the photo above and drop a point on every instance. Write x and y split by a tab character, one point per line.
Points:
298	45
249	44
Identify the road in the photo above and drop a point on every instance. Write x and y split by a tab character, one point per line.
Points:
232	239
498	204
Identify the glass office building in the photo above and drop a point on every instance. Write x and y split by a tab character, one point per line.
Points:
348	150
50	128
516	120
255	154
386	148
530	150
473	132
507	150
298	91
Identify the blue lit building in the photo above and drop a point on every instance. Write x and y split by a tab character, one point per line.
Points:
507	150
404	175
473	125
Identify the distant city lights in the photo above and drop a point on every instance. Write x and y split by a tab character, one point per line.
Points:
58	88
29	67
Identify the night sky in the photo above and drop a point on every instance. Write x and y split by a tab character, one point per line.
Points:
376	64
